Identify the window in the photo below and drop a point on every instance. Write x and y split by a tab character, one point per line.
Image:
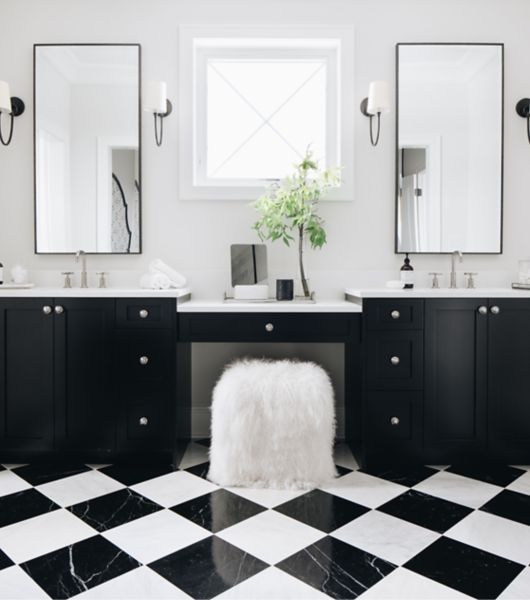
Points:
256	103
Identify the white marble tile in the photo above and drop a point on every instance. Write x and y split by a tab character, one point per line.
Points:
266	496
138	584
385	536
16	584
459	489
78	488
519	588
33	537
365	489
343	456
271	536
10	483
13	465
494	534
155	535
195	455
403	584
269	584
522	484
174	488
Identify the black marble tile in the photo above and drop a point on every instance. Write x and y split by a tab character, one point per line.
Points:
67	572
200	470
336	569
342	470
425	510
322	510
38	474
218	510
5	561
133	474
467	569
208	568
111	510
24	505
511	505
501	475
404	475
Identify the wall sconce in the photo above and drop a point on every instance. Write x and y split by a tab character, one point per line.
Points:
378	102
10	105
156	102
522	108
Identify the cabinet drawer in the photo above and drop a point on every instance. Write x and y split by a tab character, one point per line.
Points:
393	314
145	422
145	355
277	327
390	418
394	360
148	313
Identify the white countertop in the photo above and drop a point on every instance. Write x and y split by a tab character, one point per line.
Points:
76	292
218	306
492	292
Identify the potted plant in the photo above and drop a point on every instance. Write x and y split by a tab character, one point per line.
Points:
291	206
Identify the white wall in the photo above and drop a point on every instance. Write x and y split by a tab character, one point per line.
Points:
195	236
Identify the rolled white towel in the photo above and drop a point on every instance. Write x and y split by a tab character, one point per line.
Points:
159	266
155	281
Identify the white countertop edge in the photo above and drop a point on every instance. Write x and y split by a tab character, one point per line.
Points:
218	306
111	292
360	293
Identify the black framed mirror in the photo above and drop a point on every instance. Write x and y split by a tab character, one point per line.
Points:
87	148
449	147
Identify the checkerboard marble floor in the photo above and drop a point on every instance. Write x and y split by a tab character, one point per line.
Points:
104	531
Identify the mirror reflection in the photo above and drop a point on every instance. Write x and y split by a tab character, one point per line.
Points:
87	151
449	148
248	264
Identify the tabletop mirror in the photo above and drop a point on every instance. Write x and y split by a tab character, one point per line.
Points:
87	148
449	151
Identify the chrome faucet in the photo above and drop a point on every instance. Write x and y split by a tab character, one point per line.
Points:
81	254
454	254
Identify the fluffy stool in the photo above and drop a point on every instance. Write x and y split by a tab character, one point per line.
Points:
273	425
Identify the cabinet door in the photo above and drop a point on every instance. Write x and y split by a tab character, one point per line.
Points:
509	380
26	374
85	410
455	378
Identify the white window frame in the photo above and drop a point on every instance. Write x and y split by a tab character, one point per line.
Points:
192	186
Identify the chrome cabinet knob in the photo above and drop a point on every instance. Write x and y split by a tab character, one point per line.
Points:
395	314
47	310
394	420
483	310
269	327
495	310
144	313
144	360
395	360
143	421
59	310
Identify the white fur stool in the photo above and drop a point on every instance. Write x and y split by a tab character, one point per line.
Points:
273	425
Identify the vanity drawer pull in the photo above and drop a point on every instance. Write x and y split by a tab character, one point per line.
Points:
394	421
395	314
482	310
59	310
144	313
143	360
495	310
143	421
47	310
269	327
394	360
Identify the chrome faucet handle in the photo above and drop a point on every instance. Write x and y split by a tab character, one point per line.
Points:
435	281
102	282
470	281
67	278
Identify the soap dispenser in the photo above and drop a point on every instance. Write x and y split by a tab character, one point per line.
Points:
407	274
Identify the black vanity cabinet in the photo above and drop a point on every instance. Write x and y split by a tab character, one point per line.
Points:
450	385
73	378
